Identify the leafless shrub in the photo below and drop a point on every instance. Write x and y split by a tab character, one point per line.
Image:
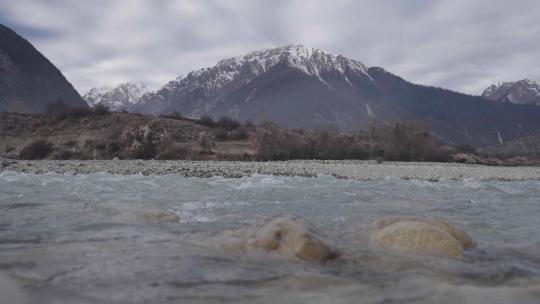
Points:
275	143
173	152
235	157
56	107
64	154
228	123
240	133
220	134
38	149
177	136
113	149
465	148
404	142
100	145
143	151
396	142
174	115
58	111
206	121
70	143
207	142
101	109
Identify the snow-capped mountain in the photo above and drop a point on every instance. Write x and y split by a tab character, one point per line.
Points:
202	91
311	61
125	96
519	92
301	87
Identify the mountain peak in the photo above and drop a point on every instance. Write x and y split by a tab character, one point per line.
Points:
205	88
524	91
243	69
123	96
311	61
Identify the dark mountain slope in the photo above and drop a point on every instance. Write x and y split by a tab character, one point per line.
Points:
293	99
28	81
456	117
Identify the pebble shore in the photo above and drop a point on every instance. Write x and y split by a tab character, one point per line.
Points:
358	170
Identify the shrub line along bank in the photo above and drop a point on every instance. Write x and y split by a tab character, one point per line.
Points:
397	141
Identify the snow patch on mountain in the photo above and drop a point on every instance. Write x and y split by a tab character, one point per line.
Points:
124	96
200	91
310	61
520	92
369	110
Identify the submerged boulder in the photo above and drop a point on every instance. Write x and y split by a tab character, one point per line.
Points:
461	236
421	236
288	236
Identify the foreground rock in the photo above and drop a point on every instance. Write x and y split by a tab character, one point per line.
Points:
421	236
287	236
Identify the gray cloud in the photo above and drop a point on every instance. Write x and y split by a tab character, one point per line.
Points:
459	44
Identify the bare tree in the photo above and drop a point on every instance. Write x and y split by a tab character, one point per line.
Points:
207	142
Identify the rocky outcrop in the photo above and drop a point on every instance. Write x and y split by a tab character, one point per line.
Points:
286	236
519	92
422	237
465	158
28	81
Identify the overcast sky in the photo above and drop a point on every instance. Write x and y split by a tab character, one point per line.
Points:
463	45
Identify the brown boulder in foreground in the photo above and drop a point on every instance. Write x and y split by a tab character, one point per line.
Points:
421	236
286	236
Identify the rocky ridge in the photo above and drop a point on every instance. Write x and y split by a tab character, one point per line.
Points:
123	97
518	92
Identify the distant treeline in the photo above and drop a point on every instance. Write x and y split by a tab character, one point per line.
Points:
397	141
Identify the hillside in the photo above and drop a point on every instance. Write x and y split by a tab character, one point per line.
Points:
98	134
92	136
28	81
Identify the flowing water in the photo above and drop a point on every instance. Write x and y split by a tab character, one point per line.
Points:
102	238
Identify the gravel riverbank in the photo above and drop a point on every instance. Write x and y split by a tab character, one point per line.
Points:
359	170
